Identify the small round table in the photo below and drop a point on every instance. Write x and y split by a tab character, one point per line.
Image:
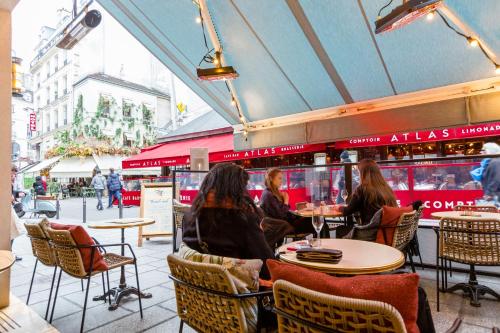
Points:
460	214
358	257
117	293
7	259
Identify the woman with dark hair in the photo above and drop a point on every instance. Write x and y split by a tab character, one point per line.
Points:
224	220
372	193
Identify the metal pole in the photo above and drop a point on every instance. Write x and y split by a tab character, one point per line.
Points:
348	186
120	207
58	207
84	208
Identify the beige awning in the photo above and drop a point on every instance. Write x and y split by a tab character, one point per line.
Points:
105	162
42	165
74	167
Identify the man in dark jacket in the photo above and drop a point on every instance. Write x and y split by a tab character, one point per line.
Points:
114	187
38	186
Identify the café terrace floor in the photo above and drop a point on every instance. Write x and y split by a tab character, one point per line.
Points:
160	310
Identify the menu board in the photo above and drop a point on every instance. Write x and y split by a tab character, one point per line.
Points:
156	203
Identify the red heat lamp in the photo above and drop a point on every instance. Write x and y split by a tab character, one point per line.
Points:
406	13
217	73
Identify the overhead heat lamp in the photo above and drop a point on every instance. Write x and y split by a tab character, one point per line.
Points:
405	14
218	72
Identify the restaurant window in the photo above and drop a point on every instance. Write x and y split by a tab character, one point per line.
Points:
127	106
65	114
257	180
396	177
445	177
399	152
425	150
459	148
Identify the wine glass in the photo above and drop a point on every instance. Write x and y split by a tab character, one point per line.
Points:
344	195
317	221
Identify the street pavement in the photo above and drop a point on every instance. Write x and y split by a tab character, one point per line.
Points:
160	310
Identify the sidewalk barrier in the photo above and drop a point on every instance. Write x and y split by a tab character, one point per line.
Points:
84	208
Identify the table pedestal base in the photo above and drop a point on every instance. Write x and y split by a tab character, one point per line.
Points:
117	293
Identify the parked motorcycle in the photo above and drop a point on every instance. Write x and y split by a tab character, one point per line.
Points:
41	207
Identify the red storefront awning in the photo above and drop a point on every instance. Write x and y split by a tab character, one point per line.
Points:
220	149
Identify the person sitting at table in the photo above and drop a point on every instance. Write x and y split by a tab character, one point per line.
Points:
275	203
224	220
371	194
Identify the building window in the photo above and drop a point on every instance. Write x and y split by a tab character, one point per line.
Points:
56	63
127	108
104	106
48	69
65	114
126	141
56	118
38	80
65	85
65	57
48	95
47	123
56	90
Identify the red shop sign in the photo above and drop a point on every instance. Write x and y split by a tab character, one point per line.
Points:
265	152
32	122
158	162
490	129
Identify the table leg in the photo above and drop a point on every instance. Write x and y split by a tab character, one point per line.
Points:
117	293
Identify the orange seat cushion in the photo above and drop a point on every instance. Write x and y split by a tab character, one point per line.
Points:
390	218
398	290
81	237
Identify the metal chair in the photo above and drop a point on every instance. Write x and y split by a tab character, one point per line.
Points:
43	253
404	232
414	246
208	301
470	242
70	261
303	310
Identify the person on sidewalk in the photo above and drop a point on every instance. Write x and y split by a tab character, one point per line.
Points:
114	187
99	184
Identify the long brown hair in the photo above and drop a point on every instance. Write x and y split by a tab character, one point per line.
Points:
376	190
271	173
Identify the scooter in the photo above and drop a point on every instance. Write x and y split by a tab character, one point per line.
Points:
42	207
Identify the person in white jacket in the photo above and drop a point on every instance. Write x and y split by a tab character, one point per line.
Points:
99	184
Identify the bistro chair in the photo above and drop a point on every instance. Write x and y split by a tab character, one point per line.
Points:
179	210
43	253
71	262
414	246
476	208
404	232
304	310
471	243
207	298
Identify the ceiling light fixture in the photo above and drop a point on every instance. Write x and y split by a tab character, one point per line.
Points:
198	19
406	13
430	16
472	42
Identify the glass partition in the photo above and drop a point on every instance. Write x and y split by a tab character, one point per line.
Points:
187	185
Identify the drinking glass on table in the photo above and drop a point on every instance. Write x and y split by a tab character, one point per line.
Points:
317	221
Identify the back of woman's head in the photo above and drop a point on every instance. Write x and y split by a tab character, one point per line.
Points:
376	189
226	182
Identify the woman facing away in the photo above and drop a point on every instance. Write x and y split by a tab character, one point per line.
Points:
371	194
275	204
229	224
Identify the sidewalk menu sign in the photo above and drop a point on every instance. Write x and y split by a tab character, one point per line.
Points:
156	203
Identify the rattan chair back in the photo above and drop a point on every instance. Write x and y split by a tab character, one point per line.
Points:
477	208
404	230
179	211
68	255
201	309
40	244
418	215
303	310
470	242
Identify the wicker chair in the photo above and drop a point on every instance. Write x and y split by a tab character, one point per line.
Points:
476	208
404	232
471	243
70	261
207	299
303	310
178	210
414	246
43	253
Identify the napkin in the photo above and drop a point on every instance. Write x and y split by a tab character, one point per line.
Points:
329	256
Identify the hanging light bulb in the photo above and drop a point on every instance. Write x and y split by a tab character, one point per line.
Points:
216	61
242	118
233	101
430	16
497	69
472	41
245	132
198	19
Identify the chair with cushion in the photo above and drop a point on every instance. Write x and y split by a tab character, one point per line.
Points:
80	257
473	243
367	232
43	253
477	208
208	299
304	310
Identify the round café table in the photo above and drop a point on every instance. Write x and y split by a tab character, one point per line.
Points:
7	259
358	257
461	215
117	293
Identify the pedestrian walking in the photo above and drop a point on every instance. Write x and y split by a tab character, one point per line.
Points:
114	187
99	184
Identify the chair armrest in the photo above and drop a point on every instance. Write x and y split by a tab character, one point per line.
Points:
108	245
101	249
365	227
258	294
